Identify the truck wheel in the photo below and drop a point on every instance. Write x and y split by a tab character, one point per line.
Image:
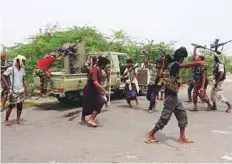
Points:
71	98
120	94
62	100
143	91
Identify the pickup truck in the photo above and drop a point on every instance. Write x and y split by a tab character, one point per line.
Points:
67	88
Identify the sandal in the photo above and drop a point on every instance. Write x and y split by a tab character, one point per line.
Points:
92	124
185	141
8	123
151	141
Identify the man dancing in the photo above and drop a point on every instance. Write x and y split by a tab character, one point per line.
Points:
172	103
199	81
131	88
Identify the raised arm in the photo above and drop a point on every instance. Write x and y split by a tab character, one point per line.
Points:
190	65
195	53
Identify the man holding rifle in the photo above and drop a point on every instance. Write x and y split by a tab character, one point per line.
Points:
172	104
220	76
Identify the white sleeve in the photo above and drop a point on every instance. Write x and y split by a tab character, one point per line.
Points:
8	71
125	70
220	67
136	70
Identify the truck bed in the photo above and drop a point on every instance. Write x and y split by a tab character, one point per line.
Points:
61	82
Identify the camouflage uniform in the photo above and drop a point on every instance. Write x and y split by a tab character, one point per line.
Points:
197	77
217	91
172	103
45	81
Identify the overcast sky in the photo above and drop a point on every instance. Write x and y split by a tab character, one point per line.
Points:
187	21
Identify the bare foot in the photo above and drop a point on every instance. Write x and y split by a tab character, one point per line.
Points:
151	140
228	110
194	109
185	141
8	123
83	122
18	121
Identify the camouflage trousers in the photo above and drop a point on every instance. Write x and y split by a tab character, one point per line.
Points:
217	93
45	81
172	105
196	92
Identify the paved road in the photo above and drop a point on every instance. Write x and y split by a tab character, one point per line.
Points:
49	134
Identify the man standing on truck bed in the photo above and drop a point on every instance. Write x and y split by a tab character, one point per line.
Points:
43	71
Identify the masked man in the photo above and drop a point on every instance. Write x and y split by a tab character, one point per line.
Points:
220	76
172	103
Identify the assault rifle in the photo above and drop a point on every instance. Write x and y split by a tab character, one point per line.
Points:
213	47
126	74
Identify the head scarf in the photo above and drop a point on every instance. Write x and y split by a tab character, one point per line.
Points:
20	58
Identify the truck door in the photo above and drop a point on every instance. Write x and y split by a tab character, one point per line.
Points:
114	70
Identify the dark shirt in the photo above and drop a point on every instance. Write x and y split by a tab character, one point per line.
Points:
197	74
95	75
173	72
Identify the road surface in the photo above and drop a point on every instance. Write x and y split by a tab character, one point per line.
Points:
51	133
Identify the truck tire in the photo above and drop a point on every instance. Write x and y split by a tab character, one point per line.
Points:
71	98
62	100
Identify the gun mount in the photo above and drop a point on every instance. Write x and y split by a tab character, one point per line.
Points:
74	62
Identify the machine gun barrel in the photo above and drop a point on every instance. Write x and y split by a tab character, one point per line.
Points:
216	44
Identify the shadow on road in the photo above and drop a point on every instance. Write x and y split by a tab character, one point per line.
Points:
55	106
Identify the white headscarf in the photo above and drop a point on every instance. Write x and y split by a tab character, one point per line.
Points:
20	58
